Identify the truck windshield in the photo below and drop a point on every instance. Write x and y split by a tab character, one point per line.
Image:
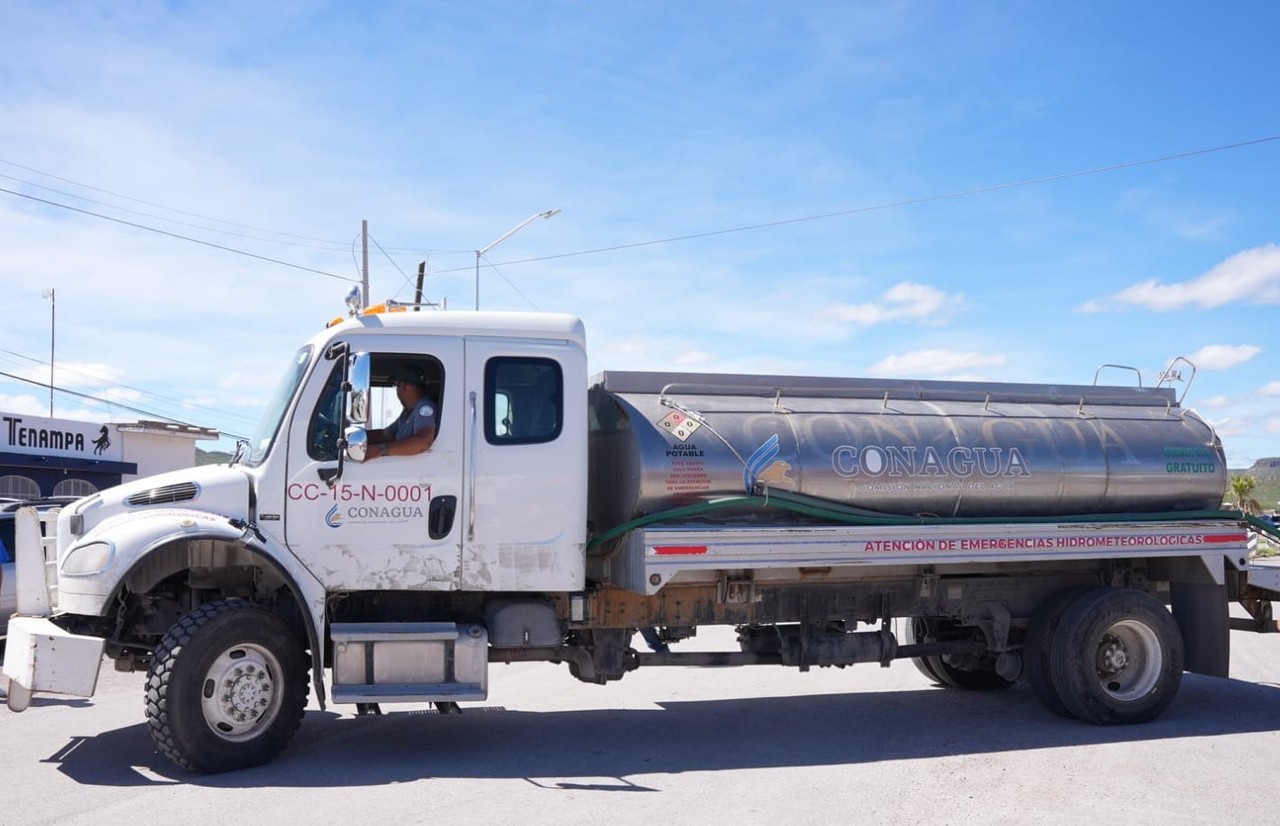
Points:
269	425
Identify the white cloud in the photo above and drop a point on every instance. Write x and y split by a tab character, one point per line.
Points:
907	301
1252	275
934	363
1216	402
24	404
1223	356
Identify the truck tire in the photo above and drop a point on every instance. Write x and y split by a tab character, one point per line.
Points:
913	632
227	687
982	678
1036	649
1116	657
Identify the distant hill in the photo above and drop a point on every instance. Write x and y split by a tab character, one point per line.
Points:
1267	472
212	457
1263	469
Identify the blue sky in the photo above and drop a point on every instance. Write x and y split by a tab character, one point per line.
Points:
940	140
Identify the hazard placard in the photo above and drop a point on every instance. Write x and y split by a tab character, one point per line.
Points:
679	425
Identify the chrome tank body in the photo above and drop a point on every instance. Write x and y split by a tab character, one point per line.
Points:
950	449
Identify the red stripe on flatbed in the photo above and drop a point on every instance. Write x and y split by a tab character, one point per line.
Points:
1225	537
679	550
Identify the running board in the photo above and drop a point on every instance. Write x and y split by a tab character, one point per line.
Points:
423	693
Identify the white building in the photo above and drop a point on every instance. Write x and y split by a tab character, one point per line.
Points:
42	457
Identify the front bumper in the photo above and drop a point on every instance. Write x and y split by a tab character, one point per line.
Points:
40	657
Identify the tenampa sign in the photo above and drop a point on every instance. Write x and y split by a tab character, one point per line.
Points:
40	436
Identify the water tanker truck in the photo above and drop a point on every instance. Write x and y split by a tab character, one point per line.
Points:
1068	536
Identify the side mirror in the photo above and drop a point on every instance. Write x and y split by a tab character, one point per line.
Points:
357	443
358	381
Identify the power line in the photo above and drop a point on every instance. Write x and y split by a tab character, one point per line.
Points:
1079	173
110	403
618	247
99	380
179	237
510	284
317	245
150	204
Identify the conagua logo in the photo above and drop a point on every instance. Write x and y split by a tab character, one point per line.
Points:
910	460
764	466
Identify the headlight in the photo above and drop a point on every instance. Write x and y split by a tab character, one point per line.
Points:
87	559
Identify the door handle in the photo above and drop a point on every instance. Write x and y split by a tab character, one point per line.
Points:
440	516
471	470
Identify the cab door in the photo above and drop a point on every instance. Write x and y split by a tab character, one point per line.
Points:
525	504
391	522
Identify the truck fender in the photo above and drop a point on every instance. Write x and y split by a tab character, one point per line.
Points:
151	531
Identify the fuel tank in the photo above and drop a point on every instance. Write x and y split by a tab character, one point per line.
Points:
949	449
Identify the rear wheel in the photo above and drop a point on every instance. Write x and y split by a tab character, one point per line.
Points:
912	633
1116	657
971	673
1036	663
227	687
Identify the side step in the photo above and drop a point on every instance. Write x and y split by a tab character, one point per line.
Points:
409	662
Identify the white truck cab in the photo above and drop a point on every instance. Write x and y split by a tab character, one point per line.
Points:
497	504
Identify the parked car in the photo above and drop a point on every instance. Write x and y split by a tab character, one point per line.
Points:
8	586
8	550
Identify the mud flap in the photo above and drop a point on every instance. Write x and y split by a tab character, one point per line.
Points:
1201	611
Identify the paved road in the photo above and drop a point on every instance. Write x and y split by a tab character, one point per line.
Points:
679	745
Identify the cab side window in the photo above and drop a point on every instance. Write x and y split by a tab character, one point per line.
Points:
325	429
384	405
524	400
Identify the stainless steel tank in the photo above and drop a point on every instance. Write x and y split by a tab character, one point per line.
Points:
661	440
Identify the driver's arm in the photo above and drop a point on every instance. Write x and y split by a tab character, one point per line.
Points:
417	443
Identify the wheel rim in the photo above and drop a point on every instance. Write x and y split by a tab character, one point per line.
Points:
1129	660
241	692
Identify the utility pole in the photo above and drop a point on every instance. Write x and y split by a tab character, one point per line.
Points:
364	261
53	329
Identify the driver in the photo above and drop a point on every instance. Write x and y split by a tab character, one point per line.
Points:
414	430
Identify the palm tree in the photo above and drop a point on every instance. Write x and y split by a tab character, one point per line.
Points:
1242	487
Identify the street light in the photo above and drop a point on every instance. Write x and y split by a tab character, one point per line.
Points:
550	213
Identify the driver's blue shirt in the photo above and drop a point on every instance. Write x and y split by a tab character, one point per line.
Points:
413	420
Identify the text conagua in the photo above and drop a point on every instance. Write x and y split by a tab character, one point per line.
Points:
910	460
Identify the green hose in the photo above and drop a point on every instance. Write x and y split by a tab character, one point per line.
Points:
848	515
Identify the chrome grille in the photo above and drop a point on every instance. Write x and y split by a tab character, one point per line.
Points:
165	495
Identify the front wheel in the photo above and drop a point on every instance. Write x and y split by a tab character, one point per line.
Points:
227	687
1116	657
